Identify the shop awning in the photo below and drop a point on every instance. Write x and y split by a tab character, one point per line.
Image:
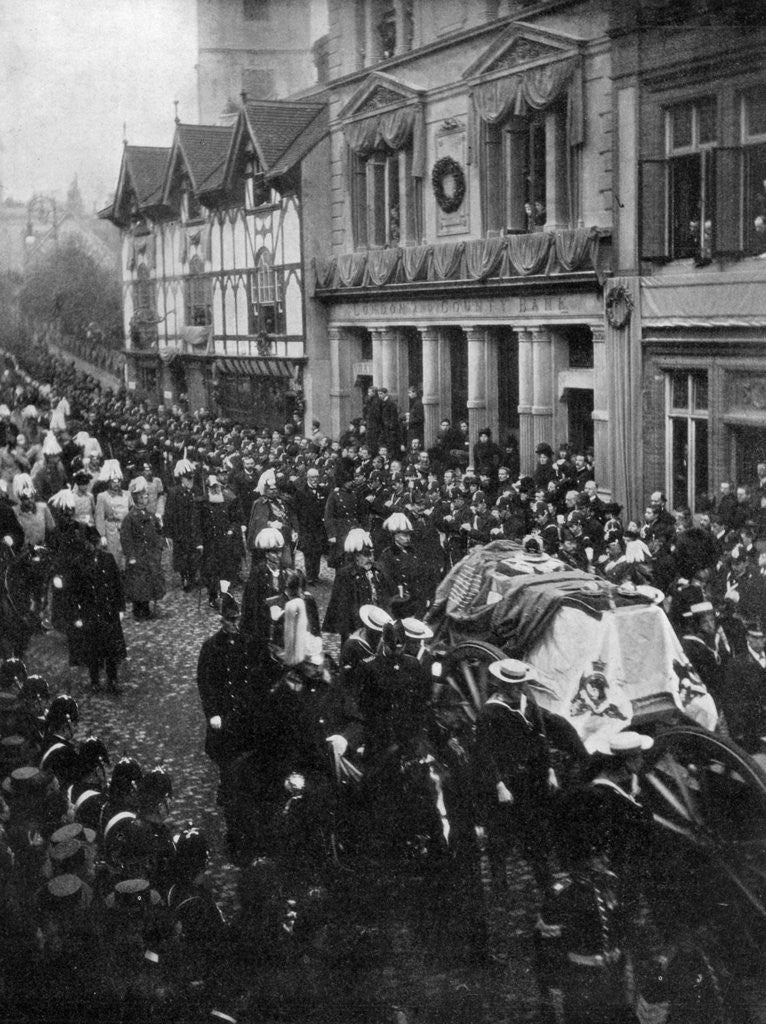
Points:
255	367
703	301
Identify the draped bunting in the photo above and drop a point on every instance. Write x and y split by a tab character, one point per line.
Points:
483	257
415	261
623	363
142	246
534	89
197	336
351	267
446	259
324	271
199	237
578	249
529	254
382	265
393	129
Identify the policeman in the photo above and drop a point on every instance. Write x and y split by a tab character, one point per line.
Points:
87	794
225	685
515	775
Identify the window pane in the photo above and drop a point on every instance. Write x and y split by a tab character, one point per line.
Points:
708	127
699	391
378	210
700	462
755	199
679	389
686	203
681	126
756	112
680	465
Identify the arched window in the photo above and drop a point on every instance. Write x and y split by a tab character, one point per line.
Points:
198	295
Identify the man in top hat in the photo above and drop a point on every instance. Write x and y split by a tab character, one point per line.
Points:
182	524
341	512
516	778
311	499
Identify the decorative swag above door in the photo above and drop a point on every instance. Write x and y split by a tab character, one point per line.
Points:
392	130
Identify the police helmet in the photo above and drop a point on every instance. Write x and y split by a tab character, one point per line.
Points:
13	672
192	851
92	755
35	687
154	786
61	760
126	775
63	711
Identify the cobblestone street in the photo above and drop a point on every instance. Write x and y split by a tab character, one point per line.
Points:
384	959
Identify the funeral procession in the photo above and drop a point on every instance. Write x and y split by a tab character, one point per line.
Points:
383	512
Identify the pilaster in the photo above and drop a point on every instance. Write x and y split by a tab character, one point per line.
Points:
340	388
526	397
542	387
600	414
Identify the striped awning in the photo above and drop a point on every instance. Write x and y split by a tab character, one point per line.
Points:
255	366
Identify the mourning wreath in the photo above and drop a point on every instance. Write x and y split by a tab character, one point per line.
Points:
445	168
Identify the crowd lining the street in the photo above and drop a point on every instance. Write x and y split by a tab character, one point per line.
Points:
92	486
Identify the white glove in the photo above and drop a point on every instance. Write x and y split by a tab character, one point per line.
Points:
215	722
504	795
122	616
131	561
338	743
276	613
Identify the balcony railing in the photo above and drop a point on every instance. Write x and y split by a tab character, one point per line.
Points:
504	258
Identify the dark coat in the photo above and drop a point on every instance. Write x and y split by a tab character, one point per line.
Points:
341	515
744	701
352	587
221	525
416	419
224	682
310	506
262	592
142	542
94	596
403	567
182	524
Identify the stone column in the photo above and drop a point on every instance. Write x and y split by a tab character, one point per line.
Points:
556	198
395	366
526	397
377	355
340	373
600	414
542	387
482	395
431	384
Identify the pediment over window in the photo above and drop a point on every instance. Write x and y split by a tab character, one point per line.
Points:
379	91
520	46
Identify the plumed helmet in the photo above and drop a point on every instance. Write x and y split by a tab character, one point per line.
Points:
269	539
183	468
29	412
154	786
92	755
23	486
64	710
398	522
129	840
63	499
13	672
111	470
192	851
126	775
80	438
267	479
62	761
357	540
137	485
51	445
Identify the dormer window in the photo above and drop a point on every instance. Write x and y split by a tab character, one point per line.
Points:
191	209
257	192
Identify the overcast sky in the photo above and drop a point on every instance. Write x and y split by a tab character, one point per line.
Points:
72	71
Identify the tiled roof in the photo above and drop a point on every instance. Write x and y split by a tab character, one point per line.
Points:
146	167
276	124
205	149
303	144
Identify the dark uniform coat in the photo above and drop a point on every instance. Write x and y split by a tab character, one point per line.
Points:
94	596
221	525
182	526
352	587
403	567
141	539
225	689
341	514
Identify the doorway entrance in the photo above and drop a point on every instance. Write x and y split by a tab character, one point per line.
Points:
579	418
